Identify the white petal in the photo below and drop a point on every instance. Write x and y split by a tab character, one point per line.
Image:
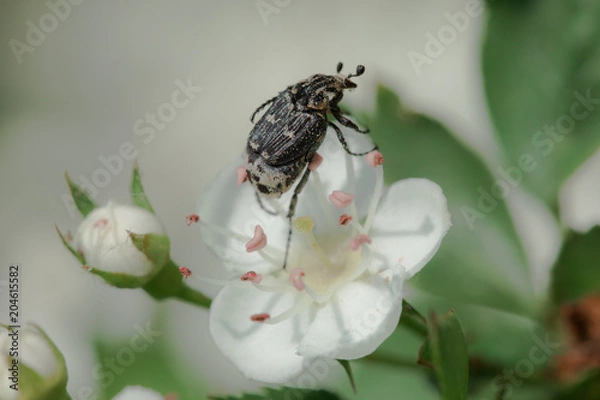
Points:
38	354
357	319
138	393
236	209
261	351
410	223
105	243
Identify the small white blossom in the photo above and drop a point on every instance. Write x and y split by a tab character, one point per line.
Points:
103	239
24	352
354	244
138	393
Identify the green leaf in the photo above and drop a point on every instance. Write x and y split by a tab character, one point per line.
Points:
541	69
480	260
150	361
586	389
348	369
137	191
577	271
79	256
84	203
284	393
449	355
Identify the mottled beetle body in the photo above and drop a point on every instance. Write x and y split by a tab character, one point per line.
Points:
285	139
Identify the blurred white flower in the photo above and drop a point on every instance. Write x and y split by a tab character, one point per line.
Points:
103	239
138	393
28	356
354	244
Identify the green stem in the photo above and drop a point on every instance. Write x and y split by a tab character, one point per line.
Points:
193	296
413	320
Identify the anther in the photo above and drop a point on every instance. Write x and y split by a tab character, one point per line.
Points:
358	240
260	317
341	199
192	219
374	158
258	242
296	279
242	175
345	219
185	271
252	277
315	162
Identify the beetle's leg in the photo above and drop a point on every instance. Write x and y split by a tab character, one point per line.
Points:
263	105
292	210
337	113
340	137
261	204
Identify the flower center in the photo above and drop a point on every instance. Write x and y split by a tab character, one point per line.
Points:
327	263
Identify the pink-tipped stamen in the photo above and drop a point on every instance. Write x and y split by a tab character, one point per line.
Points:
185	271
359	240
258	242
374	158
252	277
345	219
260	317
341	199
296	279
192	219
315	162
241	174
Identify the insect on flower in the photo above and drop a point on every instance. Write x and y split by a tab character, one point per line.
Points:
286	138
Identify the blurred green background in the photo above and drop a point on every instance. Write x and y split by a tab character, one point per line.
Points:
470	95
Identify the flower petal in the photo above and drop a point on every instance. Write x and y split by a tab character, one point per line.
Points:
261	351
235	208
410	223
357	319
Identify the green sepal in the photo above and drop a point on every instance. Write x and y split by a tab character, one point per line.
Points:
155	247
79	256
348	369
447	348
84	203
137	191
118	279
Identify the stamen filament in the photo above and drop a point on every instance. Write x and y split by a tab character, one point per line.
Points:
287	314
377	193
323	201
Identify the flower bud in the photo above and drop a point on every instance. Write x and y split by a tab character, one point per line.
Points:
30	361
126	245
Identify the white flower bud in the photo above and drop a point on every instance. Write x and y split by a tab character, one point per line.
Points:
26	353
138	393
103	239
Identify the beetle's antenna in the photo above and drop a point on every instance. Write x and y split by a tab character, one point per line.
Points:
339	67
359	71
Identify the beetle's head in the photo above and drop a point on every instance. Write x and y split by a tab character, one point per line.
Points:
323	91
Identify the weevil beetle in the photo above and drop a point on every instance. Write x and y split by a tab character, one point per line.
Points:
287	136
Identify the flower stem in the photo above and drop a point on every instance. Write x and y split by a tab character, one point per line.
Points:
193	296
413	320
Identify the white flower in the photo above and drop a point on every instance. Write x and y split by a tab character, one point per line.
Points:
103	238
138	393
354	244
27	354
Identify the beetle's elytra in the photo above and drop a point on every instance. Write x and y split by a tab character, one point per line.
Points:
287	136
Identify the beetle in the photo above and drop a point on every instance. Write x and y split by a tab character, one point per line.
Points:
284	140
